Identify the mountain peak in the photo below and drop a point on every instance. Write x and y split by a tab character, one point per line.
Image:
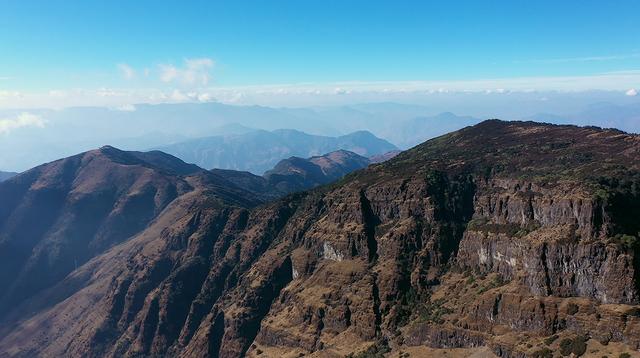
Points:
497	127
154	159
339	155
360	133
528	149
295	174
107	148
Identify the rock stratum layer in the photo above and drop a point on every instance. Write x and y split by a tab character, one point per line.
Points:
517	237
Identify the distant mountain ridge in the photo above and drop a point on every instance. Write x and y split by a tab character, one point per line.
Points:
258	151
6	175
297	174
416	130
144	126
605	115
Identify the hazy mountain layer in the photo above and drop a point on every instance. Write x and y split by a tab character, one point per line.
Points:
297	174
604	115
64	132
411	132
6	175
258	151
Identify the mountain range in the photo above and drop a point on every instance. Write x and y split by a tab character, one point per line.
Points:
508	239
606	115
85	204
60	133
416	130
297	174
258	151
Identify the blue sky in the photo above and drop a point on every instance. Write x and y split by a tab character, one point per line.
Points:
151	49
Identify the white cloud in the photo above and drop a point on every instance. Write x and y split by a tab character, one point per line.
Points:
57	93
196	72
24	119
178	96
632	92
106	92
302	94
192	96
10	95
126	108
168	73
127	71
205	97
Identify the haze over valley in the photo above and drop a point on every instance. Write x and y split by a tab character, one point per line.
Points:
46	135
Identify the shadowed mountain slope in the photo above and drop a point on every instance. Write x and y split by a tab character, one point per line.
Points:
56	217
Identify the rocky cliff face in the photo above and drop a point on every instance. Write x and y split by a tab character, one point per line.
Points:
519	237
554	240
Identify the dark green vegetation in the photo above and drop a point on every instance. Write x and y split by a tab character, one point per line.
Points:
542	353
576	346
377	350
549	340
